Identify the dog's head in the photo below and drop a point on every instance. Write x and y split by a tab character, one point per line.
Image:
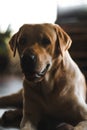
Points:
38	46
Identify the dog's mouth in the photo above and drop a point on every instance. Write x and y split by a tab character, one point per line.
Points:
35	75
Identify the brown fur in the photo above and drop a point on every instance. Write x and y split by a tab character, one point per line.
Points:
61	92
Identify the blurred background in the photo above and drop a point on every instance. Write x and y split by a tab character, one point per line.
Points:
69	14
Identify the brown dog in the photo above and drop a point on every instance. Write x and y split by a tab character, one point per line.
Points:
54	85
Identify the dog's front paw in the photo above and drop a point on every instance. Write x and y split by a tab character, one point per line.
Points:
78	128
81	126
27	126
64	126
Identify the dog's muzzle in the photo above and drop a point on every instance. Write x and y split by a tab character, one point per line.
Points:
29	63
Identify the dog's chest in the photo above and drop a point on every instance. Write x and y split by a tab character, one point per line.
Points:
50	103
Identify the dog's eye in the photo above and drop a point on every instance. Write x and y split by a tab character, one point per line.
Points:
45	41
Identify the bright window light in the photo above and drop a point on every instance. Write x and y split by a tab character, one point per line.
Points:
18	12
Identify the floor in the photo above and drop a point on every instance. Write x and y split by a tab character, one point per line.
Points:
8	85
1	128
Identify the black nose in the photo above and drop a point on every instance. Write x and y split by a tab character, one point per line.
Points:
28	61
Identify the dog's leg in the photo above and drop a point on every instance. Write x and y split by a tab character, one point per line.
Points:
11	118
64	126
82	110
14	100
81	126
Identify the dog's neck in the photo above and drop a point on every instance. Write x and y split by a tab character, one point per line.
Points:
62	69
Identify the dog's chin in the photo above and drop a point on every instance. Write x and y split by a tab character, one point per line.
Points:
36	76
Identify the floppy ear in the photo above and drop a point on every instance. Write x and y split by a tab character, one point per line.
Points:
13	43
63	38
